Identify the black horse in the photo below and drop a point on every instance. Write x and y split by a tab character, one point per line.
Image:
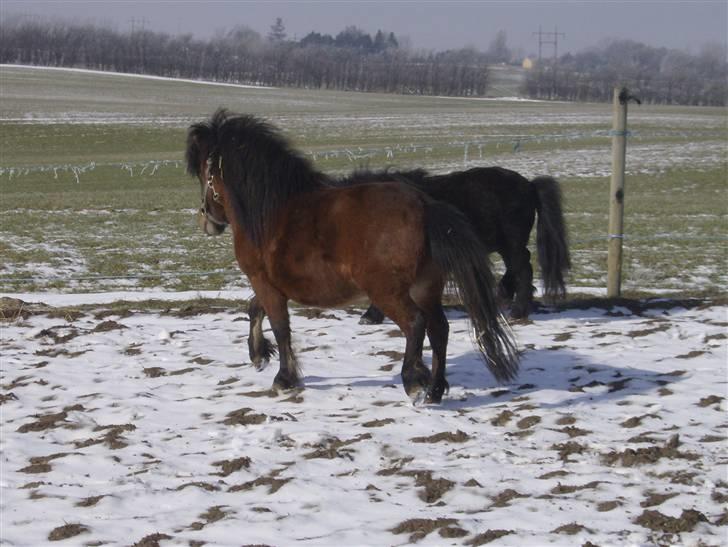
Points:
502	205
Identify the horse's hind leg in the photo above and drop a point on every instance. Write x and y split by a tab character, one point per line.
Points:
428	296
437	332
260	348
521	263
410	319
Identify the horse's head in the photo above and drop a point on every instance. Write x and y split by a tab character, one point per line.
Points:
212	218
203	163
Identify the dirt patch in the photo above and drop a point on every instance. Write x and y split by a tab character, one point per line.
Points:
379	423
690	355
263	393
228	467
653	499
133	349
244	416
397	466
5	397
106	326
58	338
606	506
566	420
155	372
273	483
41	464
487	537
632	457
553	474
89	502
50	421
200	361
572	431
333	448
504	498
67	531
656	521
213	514
503	418
445	436
421	528
710	400
112	438
432	489
151	540
567	449
570	489
646	332
529	421
570	529
198	484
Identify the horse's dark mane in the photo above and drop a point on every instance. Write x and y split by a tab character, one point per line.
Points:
260	170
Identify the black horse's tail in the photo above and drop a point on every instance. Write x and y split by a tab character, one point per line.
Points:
457	250
551	238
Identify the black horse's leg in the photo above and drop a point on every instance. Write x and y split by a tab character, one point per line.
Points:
373	316
506	287
276	306
521	262
260	348
437	332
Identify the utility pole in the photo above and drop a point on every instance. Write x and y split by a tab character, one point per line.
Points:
552	39
548	38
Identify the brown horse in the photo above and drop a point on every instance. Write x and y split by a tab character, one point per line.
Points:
298	238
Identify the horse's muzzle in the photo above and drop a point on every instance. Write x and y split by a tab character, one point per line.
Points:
208	226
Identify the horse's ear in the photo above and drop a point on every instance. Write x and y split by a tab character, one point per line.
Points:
197	148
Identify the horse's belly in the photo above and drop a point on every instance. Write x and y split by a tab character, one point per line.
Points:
323	286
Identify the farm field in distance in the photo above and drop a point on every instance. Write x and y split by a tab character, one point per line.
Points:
95	198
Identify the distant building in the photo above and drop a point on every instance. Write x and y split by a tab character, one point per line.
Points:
527	64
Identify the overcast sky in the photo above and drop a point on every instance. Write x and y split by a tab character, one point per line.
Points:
428	24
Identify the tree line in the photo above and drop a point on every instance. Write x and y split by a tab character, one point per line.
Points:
351	60
656	75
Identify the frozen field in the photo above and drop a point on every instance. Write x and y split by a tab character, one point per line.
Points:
125	424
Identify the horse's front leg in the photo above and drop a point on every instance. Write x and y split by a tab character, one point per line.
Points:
275	305
260	348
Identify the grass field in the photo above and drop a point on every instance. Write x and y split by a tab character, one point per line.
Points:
95	198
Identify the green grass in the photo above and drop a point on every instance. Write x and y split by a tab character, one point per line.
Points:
123	216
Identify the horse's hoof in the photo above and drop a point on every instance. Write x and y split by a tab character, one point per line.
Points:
435	393
260	364
283	383
418	397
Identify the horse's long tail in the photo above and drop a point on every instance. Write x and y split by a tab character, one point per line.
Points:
457	250
551	238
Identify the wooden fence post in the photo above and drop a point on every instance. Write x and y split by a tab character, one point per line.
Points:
616	192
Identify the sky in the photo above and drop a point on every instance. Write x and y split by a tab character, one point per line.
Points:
435	25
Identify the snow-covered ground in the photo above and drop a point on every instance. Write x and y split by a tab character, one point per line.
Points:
142	424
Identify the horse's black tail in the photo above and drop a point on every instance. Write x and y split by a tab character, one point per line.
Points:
551	237
457	250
